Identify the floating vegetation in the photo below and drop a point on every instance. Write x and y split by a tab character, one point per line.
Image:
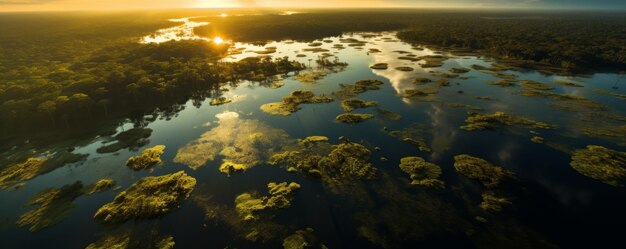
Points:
421	172
310	76
415	135
54	204
313	139
421	80
220	101
432	61
531	84
303	239
443	82
349	105
565	101
130	139
538	139
601	163
240	141
502	83
349	160
380	66
459	70
267	50
602	125
302	161
126	238
100	186
316	50
609	93
475	168
301	55
408	58
228	167
361	86
353	118
477	121
291	103
150	197
374	50
32	167
424	91
251	207
386	114
315	44
505	76
148	158
567	83
492	203
405	69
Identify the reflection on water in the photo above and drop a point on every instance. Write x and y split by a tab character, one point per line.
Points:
177	33
551	202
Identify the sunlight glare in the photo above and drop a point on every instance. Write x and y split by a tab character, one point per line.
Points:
223	15
218	40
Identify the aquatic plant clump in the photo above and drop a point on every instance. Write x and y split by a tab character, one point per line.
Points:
99	186
220	101
291	103
313	139
493	203
303	239
150	197
148	158
350	159
250	207
475	168
380	66
353	118
349	105
531	84
601	163
133	238
361	86
477	121
421	172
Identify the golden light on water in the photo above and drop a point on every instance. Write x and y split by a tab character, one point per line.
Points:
224	15
218	40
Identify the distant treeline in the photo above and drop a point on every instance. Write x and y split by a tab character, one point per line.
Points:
566	41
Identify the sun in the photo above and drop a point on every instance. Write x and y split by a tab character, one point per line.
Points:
218	40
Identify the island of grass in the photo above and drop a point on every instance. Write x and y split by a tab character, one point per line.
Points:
349	105
353	118
292	102
148	158
150	197
477	121
601	163
250	207
421	172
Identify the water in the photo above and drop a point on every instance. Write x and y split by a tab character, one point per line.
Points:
551	201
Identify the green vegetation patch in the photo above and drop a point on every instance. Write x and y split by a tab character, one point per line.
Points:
475	168
32	167
127	238
148	158
220	101
361	86
477	121
421	172
405	69
380	66
531	84
303	239
150	197
280	196
353	118
291	103
349	105
601	163
350	160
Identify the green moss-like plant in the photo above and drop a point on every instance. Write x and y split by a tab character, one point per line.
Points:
126	238
351	160
387	114
220	101
601	163
148	158
380	66
353	118
228	167
302	239
459	70
421	80
349	105
313	139
475	168
151	196
421	172
361	86
531	84
477	121
493	203
567	83
502	83
291	103
405	69
250	207
100	186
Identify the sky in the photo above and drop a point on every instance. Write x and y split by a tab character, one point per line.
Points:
38	5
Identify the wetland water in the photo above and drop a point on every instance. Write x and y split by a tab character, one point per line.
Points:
548	202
